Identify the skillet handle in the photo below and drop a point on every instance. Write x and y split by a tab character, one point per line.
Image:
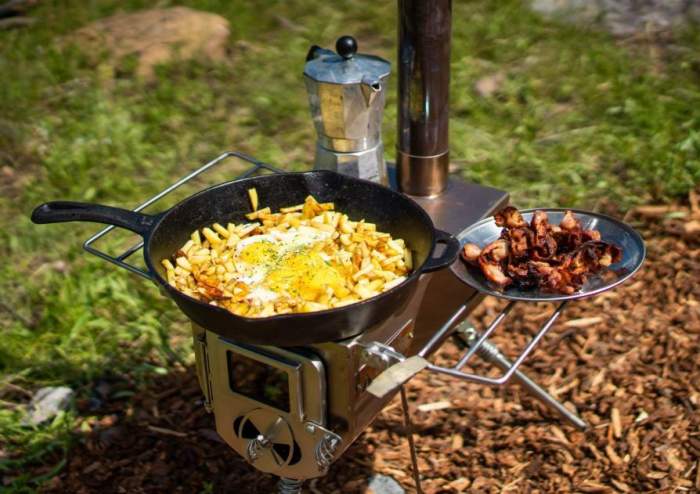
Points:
448	256
64	211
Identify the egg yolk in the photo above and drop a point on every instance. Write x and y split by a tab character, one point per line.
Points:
259	254
301	272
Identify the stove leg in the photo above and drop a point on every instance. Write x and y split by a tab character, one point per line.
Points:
409	434
289	486
492	354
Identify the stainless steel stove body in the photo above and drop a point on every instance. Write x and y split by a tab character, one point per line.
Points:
292	411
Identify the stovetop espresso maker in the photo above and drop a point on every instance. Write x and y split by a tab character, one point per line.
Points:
347	91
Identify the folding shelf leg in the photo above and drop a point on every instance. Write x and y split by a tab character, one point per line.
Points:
491	353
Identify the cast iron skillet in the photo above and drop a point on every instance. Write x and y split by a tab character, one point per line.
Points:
166	232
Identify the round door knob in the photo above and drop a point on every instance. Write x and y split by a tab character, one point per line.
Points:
346	46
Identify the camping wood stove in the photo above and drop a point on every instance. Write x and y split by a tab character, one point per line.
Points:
293	411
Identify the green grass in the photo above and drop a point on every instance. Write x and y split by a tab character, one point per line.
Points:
577	120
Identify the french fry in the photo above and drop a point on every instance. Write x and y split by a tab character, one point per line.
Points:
221	230
211	236
408	259
292	209
257	214
244	230
365	261
253	195
184	263
396	282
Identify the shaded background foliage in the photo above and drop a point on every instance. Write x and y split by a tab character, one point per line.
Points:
569	117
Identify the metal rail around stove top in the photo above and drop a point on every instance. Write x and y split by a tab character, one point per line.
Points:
478	344
437	338
120	260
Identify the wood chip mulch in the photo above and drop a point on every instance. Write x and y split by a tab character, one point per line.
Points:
628	361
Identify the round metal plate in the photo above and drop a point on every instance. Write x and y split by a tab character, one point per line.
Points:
611	230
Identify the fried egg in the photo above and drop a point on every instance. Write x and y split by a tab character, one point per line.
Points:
286	264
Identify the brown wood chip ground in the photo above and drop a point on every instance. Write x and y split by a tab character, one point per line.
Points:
628	361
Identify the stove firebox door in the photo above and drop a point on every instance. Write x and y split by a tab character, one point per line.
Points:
269	404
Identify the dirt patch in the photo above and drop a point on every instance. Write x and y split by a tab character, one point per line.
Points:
156	36
626	360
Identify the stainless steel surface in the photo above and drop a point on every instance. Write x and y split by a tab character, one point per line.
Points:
293	442
345	118
278	432
424	83
611	230
379	356
422	175
347	92
120	260
359	164
458	373
492	354
325	451
346	67
322	422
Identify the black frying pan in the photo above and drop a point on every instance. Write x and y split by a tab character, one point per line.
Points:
166	232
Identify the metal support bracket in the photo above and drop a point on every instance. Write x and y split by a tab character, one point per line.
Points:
396	375
456	370
492	354
201	348
120	260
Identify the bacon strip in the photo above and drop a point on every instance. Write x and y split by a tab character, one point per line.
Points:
553	258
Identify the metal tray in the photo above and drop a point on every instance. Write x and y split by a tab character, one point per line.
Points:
611	230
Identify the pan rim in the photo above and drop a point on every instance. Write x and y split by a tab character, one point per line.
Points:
162	216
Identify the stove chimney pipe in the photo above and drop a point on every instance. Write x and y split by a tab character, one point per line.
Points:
422	155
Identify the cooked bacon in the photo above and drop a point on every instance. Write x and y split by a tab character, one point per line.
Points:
589	235
471	252
569	222
520	240
495	251
509	217
493	260
494	273
553	258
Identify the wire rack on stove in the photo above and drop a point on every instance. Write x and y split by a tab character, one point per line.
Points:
120	260
480	345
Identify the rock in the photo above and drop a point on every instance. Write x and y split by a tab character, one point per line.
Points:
487	86
48	402
156	36
622	17
381	484
576	11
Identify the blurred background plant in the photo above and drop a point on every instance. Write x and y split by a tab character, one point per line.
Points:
553	113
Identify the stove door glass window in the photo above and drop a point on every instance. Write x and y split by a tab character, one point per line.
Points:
258	381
